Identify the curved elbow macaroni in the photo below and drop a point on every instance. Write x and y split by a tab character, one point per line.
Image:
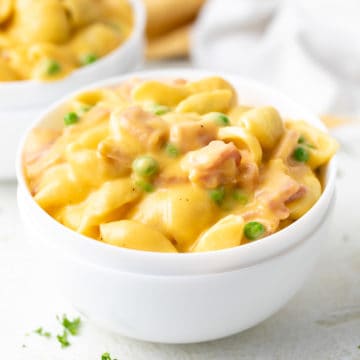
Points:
6	9
175	166
134	235
266	124
226	233
321	146
243	140
48	39
206	102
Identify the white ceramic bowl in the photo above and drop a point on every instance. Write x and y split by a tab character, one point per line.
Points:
21	101
181	298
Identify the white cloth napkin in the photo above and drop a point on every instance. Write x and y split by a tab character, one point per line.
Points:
309	49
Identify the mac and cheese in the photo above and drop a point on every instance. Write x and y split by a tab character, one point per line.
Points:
175	166
48	39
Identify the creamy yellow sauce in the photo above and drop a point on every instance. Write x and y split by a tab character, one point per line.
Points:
175	166
48	39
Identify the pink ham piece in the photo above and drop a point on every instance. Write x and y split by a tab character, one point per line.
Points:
150	130
192	135
216	164
277	188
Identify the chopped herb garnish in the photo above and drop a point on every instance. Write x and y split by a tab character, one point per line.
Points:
171	150
106	356
71	118
300	154
52	67
40	331
145	166
63	339
71	325
254	230
88	59
217	195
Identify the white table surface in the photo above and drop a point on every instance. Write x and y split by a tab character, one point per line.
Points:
321	322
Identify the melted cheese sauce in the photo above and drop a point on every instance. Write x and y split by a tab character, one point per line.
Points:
175	166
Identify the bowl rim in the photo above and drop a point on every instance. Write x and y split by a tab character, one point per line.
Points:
138	30
87	249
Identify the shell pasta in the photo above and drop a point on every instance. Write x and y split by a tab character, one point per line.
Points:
175	166
48	39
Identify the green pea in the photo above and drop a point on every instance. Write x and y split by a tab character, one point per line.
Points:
159	109
145	166
71	118
220	119
301	140
88	59
301	154
253	230
240	197
217	195
52	67
85	108
171	150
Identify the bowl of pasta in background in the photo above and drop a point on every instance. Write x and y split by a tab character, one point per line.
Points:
180	297
23	100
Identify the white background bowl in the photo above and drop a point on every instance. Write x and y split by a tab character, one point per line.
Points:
22	101
181	298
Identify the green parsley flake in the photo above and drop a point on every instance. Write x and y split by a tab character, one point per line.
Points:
106	356
40	331
63	339
71	325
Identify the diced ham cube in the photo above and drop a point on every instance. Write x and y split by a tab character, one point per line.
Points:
299	194
216	164
148	129
248	175
192	135
277	188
